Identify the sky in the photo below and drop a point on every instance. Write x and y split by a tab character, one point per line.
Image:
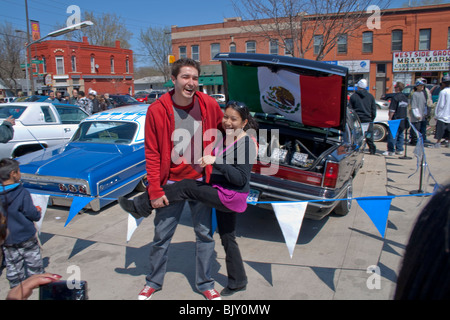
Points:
137	14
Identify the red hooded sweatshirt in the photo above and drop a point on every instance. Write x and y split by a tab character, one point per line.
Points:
159	126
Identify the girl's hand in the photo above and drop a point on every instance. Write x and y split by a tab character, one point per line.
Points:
206	160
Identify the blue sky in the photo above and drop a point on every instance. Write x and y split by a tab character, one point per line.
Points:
138	14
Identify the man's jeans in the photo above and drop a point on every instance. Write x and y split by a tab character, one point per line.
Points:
397	143
166	221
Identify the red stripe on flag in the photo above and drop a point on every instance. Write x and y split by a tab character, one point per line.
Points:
321	100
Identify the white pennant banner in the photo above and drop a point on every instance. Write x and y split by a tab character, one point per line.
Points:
40	200
290	218
133	223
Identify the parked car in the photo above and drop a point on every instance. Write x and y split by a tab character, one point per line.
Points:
381	125
142	97
154	95
103	160
120	100
39	125
317	155
434	90
220	98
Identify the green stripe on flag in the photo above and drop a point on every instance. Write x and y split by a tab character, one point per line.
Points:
243	86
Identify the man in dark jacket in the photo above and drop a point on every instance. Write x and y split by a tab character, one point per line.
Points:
365	107
397	111
6	129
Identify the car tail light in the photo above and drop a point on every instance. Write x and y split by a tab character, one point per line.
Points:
82	189
72	188
62	187
331	174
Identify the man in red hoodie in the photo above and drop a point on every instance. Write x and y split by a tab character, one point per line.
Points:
177	130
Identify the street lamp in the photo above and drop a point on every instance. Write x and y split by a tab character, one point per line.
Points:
56	33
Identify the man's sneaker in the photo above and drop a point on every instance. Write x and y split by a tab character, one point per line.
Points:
146	293
211	294
388	153
399	153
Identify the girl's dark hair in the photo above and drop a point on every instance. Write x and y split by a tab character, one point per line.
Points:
6	167
183	62
244	112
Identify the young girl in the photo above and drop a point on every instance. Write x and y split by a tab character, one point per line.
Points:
232	162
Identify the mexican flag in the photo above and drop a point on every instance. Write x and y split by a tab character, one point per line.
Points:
311	100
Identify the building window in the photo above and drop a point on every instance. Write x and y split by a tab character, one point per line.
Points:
424	39
127	65
60	65
215	49
289	47
183	52
232	47
318	44
250	47
73	61
195	53
397	40
273	47
112	64
367	42
342	43
92	64
448	38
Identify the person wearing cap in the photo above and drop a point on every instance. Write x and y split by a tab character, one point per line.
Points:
365	107
442	113
418	112
94	101
397	111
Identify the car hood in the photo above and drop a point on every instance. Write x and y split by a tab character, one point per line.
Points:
310	92
74	160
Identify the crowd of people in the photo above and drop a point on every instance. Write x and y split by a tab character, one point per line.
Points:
92	103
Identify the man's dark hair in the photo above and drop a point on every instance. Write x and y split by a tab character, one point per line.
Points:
183	62
6	167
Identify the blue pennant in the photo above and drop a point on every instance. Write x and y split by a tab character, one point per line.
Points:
213	221
378	210
78	203
393	126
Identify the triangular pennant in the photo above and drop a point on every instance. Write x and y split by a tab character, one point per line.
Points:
78	203
378	210
133	223
213	221
41	201
290	218
393	126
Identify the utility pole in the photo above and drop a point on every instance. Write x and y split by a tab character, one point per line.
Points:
29	68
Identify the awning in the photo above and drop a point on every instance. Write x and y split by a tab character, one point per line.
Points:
202	81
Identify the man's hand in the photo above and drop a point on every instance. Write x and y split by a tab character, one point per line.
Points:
11	120
160	202
204	161
24	290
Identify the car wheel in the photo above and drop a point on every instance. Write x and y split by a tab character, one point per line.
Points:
379	132
142	185
344	206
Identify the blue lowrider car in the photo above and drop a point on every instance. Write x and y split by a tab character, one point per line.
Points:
103	160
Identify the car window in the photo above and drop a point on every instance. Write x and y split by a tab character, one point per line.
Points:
48	114
105	132
70	115
15	111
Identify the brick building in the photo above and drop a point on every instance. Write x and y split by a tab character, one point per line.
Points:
66	65
410	43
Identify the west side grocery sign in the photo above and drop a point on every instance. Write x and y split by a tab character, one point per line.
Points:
411	61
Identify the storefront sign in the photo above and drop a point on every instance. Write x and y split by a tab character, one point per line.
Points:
412	61
354	66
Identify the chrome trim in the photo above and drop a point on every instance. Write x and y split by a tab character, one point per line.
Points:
115	174
57	180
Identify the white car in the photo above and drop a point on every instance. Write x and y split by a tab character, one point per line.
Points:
381	125
219	97
39	125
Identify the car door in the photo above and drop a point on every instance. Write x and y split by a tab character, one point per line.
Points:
70	117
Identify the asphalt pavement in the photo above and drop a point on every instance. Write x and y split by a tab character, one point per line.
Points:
333	257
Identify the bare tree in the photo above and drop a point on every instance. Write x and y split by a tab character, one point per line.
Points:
11	47
107	28
301	25
156	42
